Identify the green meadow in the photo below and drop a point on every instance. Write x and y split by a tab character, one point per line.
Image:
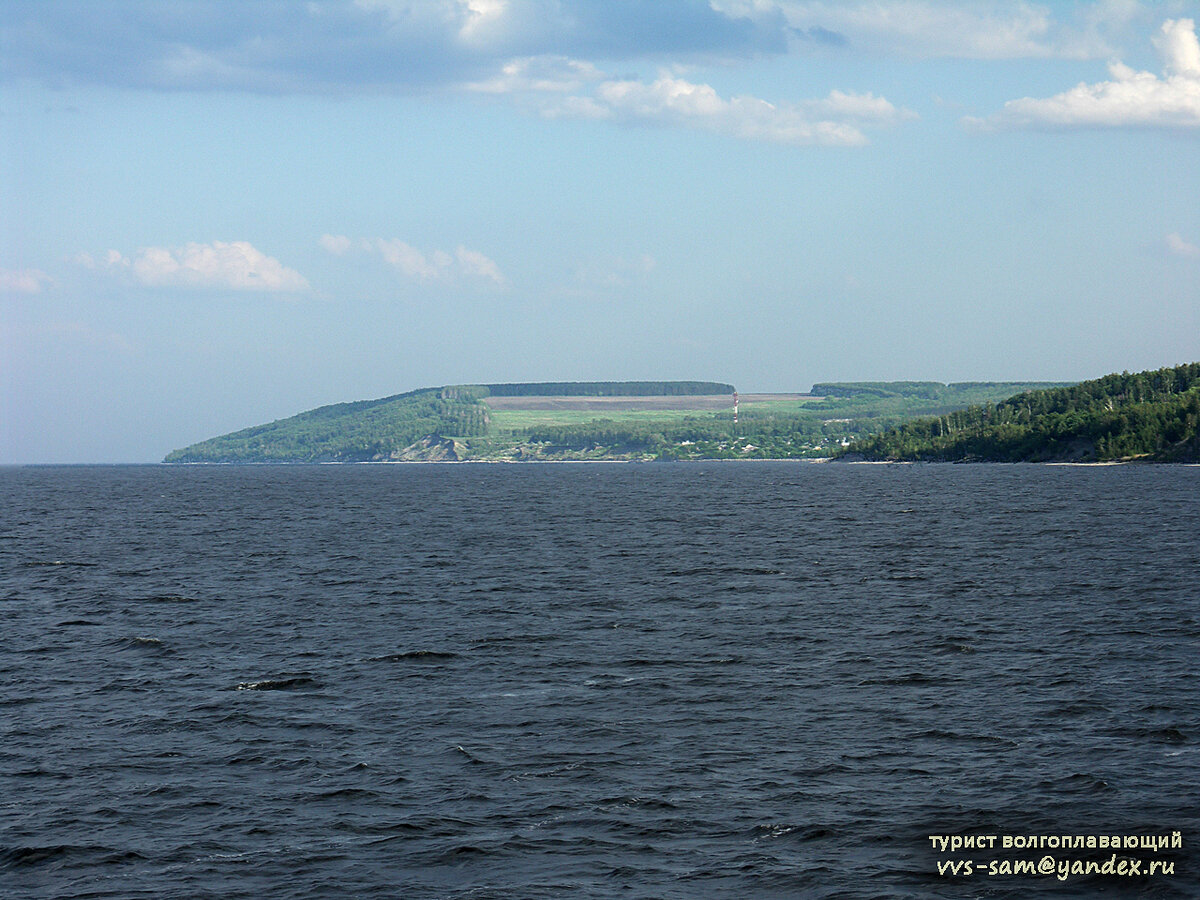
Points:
509	421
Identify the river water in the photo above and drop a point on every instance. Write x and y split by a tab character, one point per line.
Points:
533	681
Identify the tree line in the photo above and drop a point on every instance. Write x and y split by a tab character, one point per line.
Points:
1153	415
609	389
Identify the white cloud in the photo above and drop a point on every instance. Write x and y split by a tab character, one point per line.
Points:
24	281
554	74
435	265
1180	247
236	265
411	261
477	265
1130	99
1176	43
836	120
483	19
337	244
478	22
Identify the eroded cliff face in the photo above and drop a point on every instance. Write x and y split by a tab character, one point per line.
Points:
431	448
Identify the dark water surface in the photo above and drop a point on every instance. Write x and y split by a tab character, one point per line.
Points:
535	681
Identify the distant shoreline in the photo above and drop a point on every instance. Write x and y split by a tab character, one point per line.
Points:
814	460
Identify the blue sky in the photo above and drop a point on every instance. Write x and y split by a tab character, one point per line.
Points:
222	213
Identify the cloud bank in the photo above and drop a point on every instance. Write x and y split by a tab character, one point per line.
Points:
327	46
965	29
559	56
236	265
1129	99
348	45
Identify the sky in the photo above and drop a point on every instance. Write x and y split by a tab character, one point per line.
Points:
215	214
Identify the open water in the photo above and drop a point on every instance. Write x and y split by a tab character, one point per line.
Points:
535	681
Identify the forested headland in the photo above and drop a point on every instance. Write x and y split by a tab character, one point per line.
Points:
1152	416
349	432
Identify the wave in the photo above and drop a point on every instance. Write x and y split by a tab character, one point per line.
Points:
710	571
414	656
31	856
143	643
1167	734
907	678
990	739
769	830
278	684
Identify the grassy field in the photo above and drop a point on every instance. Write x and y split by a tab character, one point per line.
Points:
510	420
512	414
787	405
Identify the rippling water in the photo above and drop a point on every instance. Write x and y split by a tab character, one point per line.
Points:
687	680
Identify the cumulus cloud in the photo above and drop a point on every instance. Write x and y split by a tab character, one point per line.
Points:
424	265
1180	247
23	281
836	120
236	265
1130	99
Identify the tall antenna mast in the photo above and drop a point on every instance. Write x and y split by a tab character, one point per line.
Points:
735	407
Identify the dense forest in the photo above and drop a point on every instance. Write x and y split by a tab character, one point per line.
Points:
1147	415
348	432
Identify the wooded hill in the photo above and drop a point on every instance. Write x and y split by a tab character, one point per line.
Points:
1148	415
348	432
